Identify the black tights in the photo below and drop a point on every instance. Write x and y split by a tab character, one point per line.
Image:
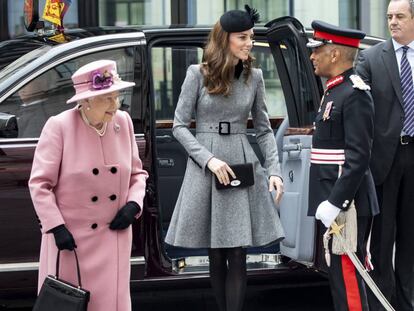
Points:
228	277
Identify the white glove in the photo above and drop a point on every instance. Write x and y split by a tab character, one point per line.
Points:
327	213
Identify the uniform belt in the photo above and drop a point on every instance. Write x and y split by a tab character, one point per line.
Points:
406	139
327	156
222	128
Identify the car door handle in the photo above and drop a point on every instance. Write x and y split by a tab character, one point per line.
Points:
292	147
163	139
165	162
293	150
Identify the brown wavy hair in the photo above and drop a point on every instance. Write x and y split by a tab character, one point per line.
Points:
218	63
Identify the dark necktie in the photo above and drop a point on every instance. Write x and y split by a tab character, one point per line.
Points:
407	93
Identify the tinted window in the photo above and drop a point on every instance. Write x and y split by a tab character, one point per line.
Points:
275	99
9	51
168	78
302	88
46	95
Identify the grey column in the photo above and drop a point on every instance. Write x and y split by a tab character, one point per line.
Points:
88	12
179	12
364	16
4	21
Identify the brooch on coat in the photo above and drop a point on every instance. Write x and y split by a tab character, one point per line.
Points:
117	127
327	112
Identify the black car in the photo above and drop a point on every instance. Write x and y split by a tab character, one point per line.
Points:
35	82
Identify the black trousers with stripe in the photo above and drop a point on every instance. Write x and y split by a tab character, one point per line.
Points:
395	225
347	286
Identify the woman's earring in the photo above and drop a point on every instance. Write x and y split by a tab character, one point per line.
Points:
87	105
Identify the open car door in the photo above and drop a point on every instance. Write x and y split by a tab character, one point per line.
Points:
287	40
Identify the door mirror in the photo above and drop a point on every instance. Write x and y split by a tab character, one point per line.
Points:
8	126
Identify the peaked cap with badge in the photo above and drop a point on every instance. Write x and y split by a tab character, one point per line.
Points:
325	33
238	20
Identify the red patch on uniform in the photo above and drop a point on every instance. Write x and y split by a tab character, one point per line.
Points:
353	296
334	82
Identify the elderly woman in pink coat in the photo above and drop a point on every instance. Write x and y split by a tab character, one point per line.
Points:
87	185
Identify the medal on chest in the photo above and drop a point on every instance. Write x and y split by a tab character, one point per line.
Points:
331	83
327	113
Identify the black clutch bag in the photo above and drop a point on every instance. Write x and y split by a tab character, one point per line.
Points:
57	294
244	177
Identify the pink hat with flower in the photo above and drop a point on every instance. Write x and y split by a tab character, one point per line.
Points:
97	78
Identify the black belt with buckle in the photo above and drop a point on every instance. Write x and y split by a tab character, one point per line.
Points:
224	128
221	128
406	139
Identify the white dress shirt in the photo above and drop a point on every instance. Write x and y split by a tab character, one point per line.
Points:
410	57
399	52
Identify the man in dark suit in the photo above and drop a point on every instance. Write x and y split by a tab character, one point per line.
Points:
387	68
339	174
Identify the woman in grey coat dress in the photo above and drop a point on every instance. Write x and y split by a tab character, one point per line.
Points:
221	93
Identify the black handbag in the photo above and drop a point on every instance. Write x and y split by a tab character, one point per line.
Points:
244	177
57	294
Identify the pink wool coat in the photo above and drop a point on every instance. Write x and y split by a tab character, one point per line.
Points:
81	180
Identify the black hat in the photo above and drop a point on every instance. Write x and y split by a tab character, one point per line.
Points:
325	33
237	20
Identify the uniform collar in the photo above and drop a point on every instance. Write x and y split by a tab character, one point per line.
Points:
331	83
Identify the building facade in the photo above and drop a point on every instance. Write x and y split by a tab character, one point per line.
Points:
368	15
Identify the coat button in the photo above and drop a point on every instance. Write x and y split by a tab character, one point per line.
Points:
94	198
113	197
113	170
40	226
344	205
94	226
95	171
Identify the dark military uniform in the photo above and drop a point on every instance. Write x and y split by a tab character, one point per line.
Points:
343	135
339	173
348	125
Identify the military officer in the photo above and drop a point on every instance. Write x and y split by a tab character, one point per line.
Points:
341	146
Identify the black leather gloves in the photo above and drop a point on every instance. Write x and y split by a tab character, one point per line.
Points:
125	216
63	238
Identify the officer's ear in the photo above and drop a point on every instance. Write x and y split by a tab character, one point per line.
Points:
335	54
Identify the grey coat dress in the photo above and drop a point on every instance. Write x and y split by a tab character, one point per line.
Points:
205	217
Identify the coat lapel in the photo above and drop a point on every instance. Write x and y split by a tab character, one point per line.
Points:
390	62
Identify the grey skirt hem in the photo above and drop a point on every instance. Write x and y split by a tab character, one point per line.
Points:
202	245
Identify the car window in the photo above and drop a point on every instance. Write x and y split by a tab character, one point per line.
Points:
169	65
21	62
24	113
275	99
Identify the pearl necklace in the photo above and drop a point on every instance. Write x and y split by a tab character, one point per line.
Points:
100	132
